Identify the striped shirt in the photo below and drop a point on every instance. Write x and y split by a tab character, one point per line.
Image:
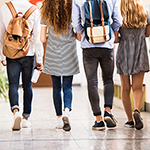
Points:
61	55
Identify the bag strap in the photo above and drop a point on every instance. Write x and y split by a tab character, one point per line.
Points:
12	9
26	16
29	12
102	19
14	14
91	19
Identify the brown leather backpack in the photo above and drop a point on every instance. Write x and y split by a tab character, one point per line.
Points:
16	40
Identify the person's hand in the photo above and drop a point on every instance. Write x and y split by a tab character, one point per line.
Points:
78	36
117	37
3	62
39	66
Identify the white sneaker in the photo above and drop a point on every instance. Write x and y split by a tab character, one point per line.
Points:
67	112
26	123
17	121
59	124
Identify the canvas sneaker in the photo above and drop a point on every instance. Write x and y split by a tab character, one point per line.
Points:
59	124
98	126
138	120
17	122
66	125
110	120
129	124
26	123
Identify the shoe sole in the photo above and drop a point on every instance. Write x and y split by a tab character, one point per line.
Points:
16	125
110	123
26	126
138	122
129	126
58	127
66	125
98	128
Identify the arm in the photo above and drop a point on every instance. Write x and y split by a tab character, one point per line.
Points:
39	50
79	36
76	19
147	33
43	33
2	34
116	16
117	37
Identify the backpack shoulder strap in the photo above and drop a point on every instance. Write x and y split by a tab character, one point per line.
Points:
91	20
29	12
12	9
102	19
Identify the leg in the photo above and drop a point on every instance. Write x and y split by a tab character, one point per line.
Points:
67	90
137	84
90	62
27	71
107	66
13	72
57	94
125	95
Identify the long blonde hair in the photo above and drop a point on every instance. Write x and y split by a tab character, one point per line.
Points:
133	13
57	13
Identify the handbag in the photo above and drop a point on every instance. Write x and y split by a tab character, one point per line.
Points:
147	31
98	34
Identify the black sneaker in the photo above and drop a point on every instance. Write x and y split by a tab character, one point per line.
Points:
138	120
129	124
109	119
99	126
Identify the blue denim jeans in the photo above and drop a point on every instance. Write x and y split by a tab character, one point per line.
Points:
64	82
92	57
25	66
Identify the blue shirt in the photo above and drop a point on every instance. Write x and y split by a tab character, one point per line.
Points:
78	20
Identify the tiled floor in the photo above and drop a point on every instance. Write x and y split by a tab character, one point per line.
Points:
44	136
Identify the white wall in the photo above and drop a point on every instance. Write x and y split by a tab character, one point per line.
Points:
147	76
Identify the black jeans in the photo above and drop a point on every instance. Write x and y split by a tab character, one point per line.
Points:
91	58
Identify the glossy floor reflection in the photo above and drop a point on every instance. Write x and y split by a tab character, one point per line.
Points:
44	136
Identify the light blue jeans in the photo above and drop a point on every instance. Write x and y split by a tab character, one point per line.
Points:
64	82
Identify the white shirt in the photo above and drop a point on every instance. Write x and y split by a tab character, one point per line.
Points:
36	46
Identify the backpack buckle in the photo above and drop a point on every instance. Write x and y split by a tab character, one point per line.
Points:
10	37
22	40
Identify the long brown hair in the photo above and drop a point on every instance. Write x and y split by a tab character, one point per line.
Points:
57	13
133	13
